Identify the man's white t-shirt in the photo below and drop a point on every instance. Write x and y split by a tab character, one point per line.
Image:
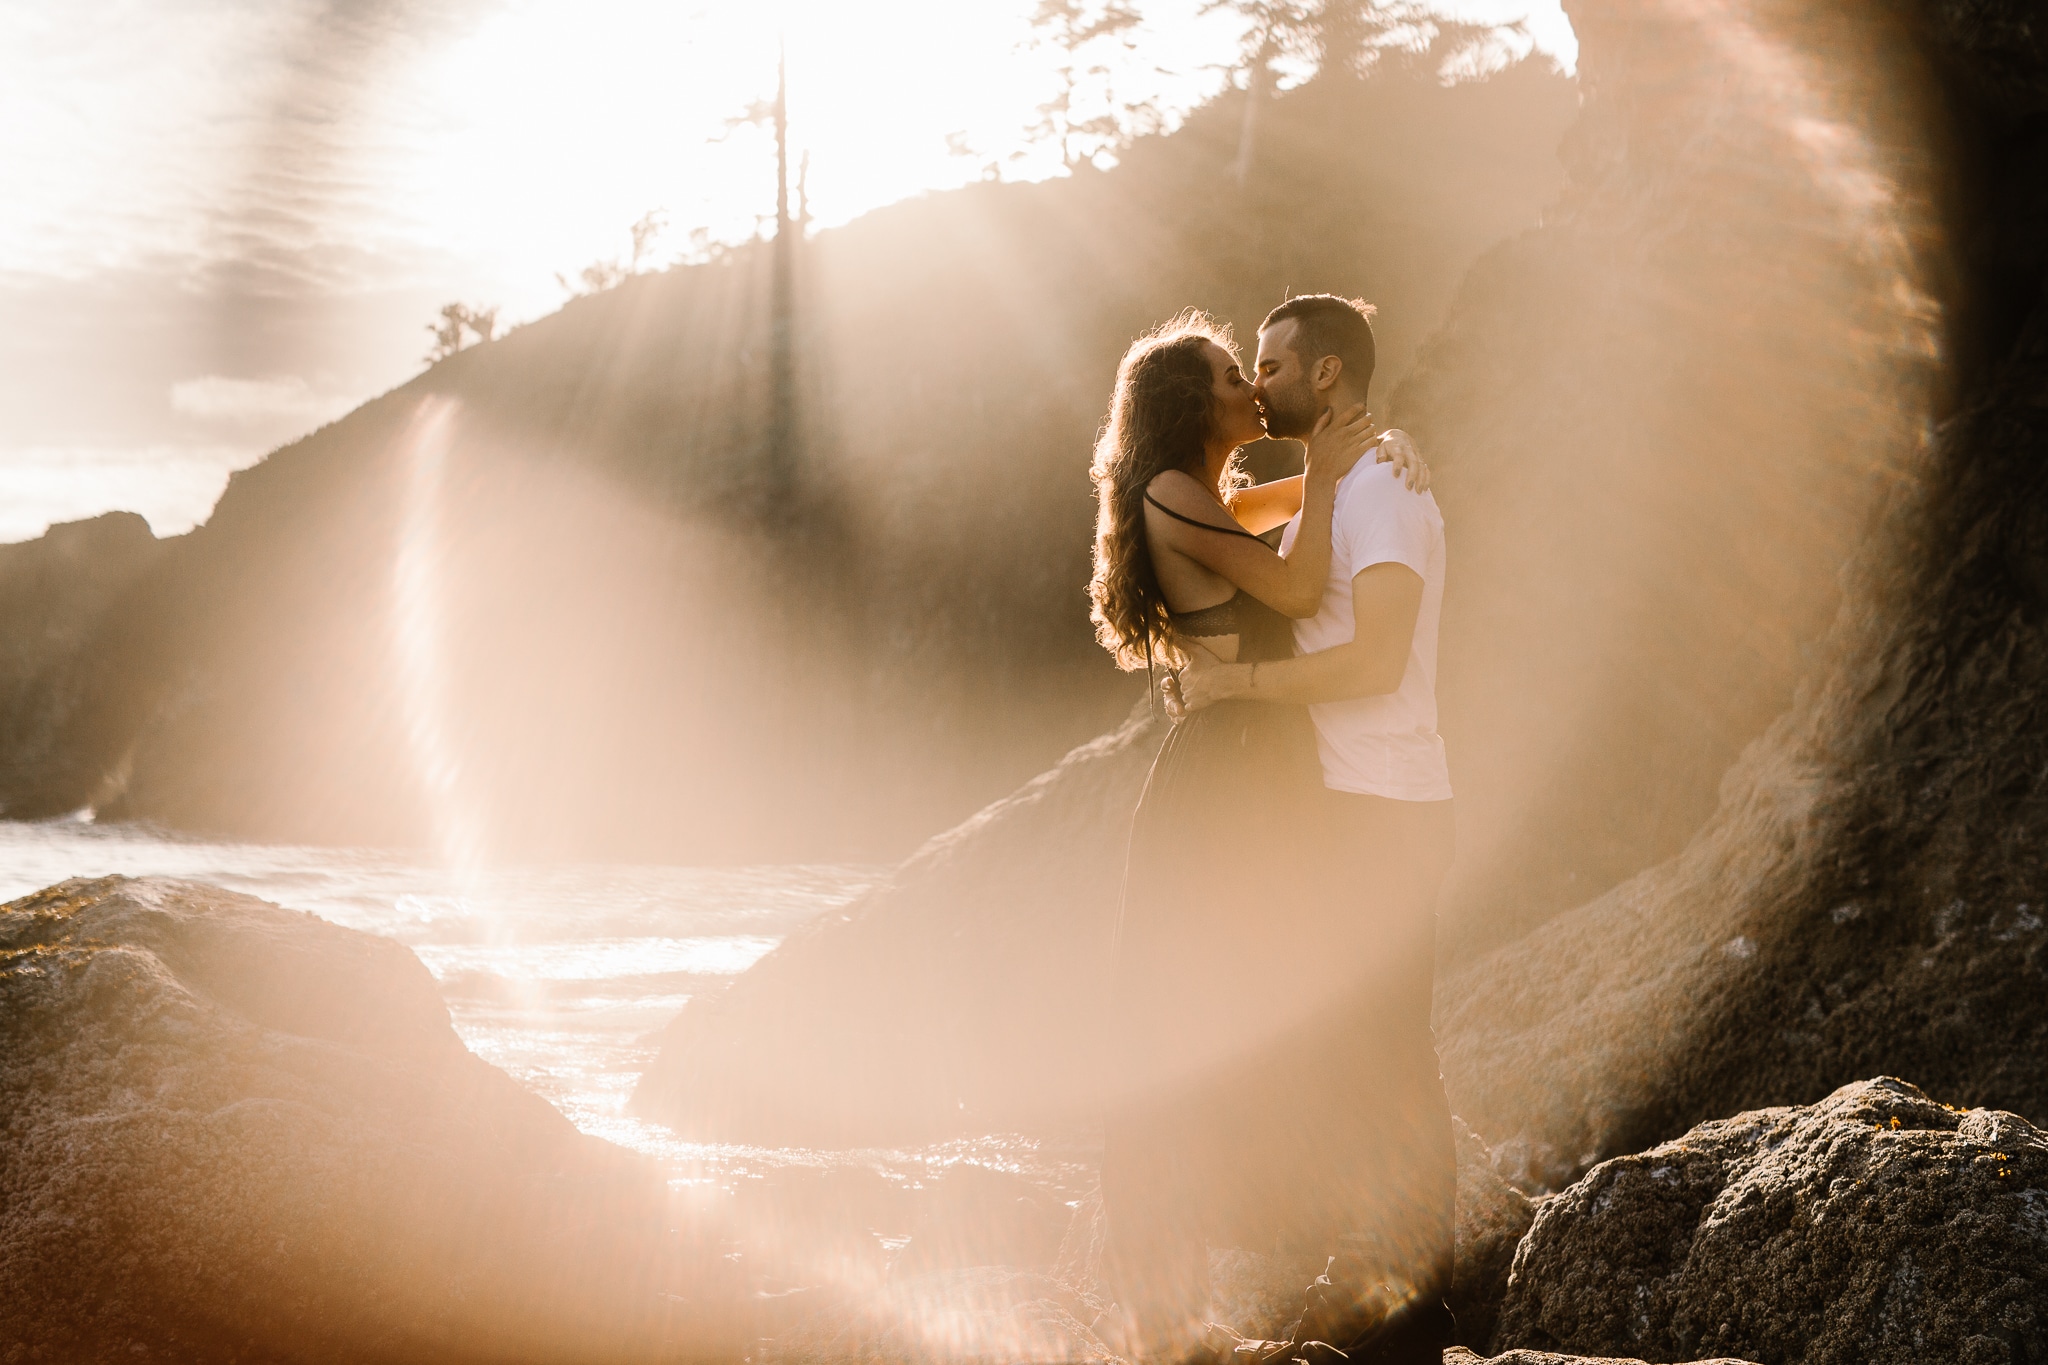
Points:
1385	745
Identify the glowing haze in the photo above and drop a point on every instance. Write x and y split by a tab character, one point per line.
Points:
227	222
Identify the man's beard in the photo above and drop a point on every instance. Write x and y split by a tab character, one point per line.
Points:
1291	416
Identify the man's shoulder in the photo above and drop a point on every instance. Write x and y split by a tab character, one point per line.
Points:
1372	489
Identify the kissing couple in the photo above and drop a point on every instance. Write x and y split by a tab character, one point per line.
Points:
1278	1090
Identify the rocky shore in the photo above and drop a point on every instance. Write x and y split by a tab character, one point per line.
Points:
237	1133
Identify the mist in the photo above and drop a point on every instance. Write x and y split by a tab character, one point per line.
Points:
678	716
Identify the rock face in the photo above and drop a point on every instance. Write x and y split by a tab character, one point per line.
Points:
55	595
965	993
1648	487
1876	1227
230	1131
1865	900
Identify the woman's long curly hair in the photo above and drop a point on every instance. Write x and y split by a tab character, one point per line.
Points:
1160	416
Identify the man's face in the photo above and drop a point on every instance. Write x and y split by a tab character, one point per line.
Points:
1287	400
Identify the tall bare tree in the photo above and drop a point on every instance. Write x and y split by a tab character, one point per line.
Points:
782	416
782	456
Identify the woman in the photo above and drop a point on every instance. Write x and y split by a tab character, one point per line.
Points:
1179	566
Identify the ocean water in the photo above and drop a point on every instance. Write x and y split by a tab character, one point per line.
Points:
557	974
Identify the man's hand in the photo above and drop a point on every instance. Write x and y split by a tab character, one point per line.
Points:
1205	681
1398	449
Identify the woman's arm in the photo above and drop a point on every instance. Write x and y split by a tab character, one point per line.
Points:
1385	600
1263	506
1293	583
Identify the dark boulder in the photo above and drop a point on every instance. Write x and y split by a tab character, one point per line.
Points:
1874	1228
231	1131
1458	1355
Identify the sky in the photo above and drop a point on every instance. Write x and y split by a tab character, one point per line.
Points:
229	221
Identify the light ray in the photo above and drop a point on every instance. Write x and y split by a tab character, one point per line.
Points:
419	632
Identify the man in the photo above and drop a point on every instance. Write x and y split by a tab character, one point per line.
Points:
1365	666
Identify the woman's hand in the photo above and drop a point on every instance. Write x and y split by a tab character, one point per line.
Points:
1397	448
1204	681
1337	443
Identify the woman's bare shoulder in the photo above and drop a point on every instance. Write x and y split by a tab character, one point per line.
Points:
1181	492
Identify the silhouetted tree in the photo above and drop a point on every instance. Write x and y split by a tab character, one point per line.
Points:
1332	36
610	272
1273	28
1074	26
1344	30
459	324
650	225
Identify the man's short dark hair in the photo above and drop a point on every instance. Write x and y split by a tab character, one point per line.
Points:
1329	325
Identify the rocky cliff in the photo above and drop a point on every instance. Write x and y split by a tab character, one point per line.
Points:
541	598
56	593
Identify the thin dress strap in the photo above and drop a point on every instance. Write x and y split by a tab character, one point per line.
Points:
1205	525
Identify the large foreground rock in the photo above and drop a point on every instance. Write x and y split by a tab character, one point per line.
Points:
1873	1228
965	994
231	1131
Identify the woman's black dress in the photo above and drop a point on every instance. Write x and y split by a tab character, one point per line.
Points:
1202	948
1262	1015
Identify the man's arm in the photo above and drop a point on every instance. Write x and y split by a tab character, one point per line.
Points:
1385	599
1263	506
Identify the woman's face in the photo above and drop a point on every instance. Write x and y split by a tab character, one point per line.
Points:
1237	412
